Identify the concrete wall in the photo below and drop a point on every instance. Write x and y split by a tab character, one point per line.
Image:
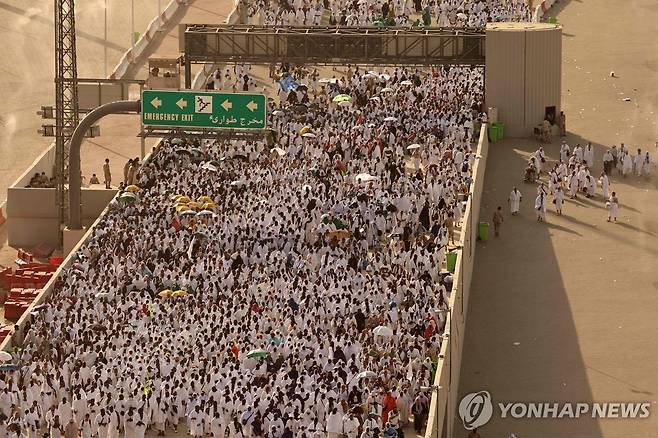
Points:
17	335
523	73
43	163
34	214
444	401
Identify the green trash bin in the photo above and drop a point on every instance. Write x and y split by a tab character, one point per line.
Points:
483	230
451	261
500	128
493	133
552	20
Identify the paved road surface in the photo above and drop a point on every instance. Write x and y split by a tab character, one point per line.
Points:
579	294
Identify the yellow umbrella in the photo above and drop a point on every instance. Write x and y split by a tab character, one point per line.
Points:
165	293
132	188
209	206
304	130
183	200
181	207
180	293
339	234
194	205
204	199
176	197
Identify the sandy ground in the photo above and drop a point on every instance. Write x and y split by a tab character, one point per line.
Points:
577	293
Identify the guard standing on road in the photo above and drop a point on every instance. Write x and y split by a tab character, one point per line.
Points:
106	172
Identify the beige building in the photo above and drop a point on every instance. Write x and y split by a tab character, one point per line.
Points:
523	76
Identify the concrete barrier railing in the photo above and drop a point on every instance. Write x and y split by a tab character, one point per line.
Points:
446	381
143	43
3	212
541	9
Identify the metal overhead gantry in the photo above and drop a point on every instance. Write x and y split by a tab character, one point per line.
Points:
329	46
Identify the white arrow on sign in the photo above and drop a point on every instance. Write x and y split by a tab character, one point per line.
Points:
182	103
227	105
252	106
156	102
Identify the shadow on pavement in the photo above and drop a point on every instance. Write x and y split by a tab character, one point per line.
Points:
518	296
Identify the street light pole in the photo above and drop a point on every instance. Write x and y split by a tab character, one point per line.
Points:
132	23
105	39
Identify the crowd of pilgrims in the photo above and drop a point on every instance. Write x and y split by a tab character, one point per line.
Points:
314	298
439	13
571	175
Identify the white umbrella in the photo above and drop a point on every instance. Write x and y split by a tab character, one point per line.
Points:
4	356
387	90
100	295
374	98
277	112
366	375
406	83
413	146
390	119
384	77
366	177
280	152
210	167
382	330
328	81
309	135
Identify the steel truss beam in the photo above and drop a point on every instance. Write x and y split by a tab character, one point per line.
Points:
332	46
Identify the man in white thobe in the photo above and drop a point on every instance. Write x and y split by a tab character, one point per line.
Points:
514	200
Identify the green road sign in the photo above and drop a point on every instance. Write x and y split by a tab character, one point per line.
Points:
200	109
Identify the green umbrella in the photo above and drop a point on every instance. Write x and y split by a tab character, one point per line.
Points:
342	98
127	197
259	352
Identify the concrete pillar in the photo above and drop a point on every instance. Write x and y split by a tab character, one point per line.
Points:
523	73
